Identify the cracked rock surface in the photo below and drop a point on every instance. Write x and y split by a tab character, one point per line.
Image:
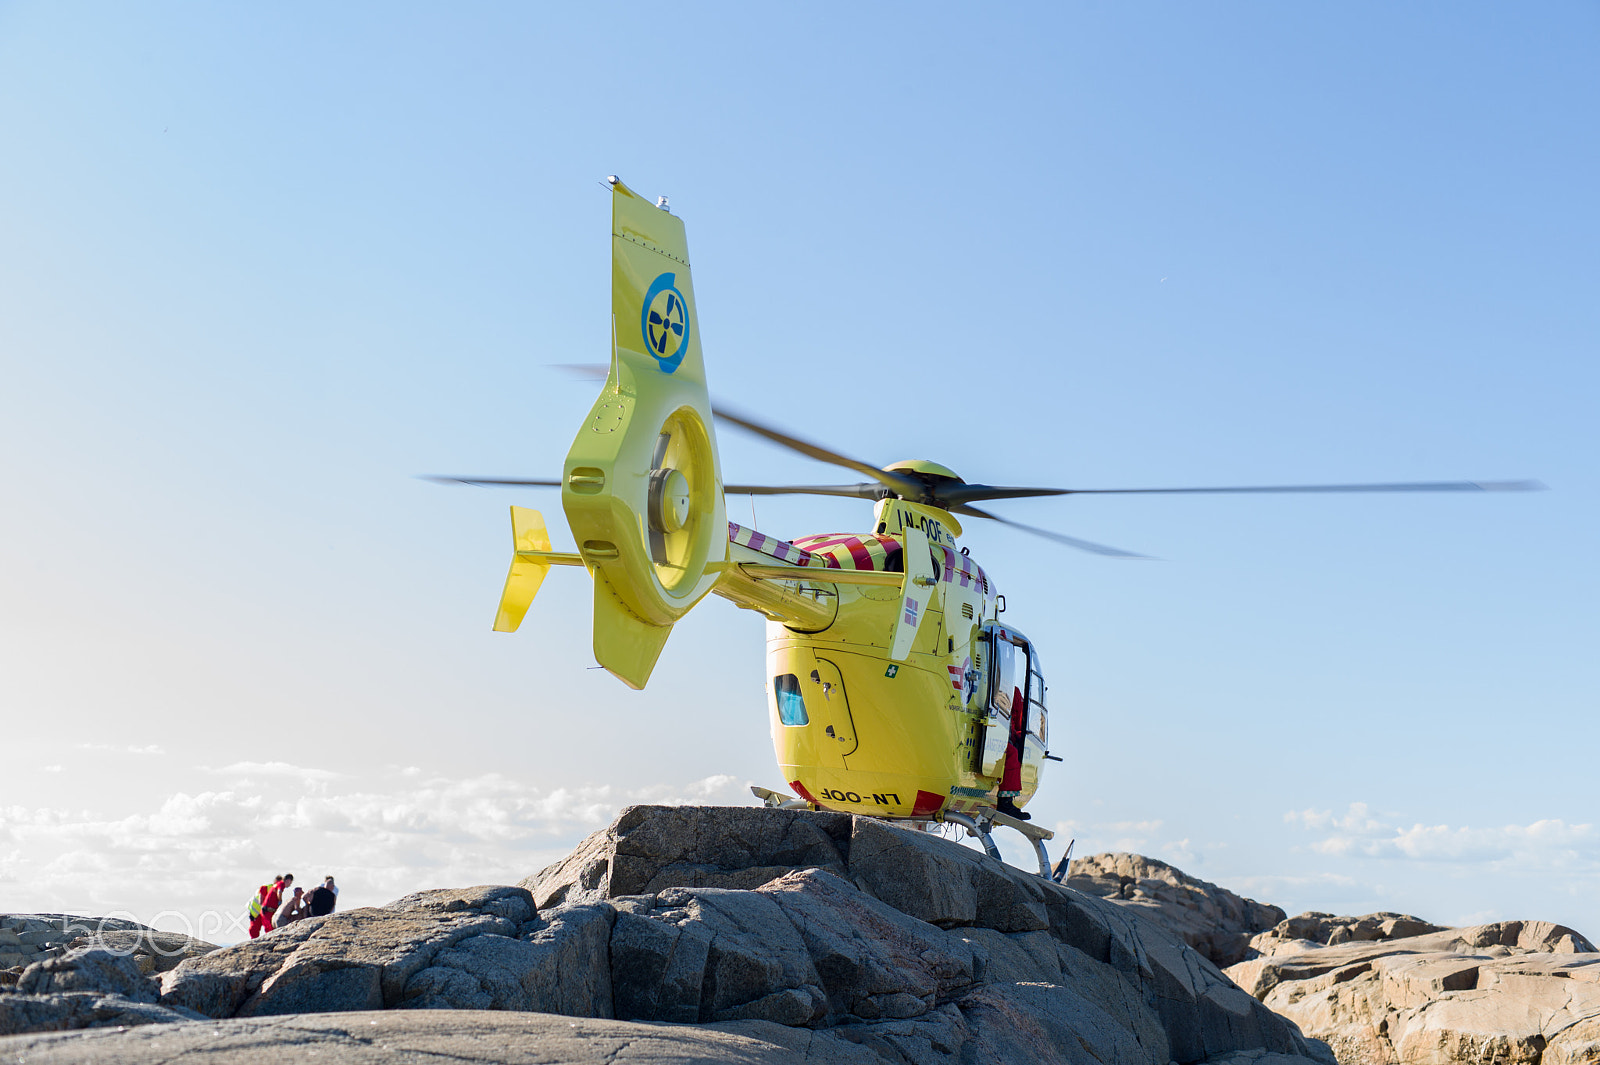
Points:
1509	993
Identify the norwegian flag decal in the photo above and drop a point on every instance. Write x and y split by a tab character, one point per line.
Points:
911	611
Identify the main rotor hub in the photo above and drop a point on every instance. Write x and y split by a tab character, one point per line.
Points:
924	467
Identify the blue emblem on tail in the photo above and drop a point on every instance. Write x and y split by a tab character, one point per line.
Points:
664	322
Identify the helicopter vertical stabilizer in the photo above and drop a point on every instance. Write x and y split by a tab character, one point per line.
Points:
641	488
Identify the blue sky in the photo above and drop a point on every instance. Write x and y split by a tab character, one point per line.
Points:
260	267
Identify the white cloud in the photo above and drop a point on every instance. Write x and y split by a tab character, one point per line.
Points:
200	853
1550	844
1093	837
149	748
272	770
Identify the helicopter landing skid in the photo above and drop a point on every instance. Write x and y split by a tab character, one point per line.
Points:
980	824
777	800
982	821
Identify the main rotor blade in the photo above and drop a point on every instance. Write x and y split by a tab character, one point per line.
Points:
1070	541
899	484
488	482
584	371
966	493
962	493
853	491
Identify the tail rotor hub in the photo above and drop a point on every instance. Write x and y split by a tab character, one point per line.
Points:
669	500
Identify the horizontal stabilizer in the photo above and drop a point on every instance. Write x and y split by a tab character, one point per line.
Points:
527	568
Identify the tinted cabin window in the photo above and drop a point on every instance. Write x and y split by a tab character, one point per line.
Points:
791	705
1037	715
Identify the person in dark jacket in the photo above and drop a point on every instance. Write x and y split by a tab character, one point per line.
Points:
323	898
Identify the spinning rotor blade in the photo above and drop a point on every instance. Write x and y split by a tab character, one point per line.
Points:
898	484
967	493
963	493
1070	541
488	482
853	491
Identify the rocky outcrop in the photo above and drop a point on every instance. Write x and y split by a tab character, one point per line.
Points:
769	935
1383	988
1514	992
26	938
64	972
470	947
89	987
871	931
1212	920
466	1038
1324	929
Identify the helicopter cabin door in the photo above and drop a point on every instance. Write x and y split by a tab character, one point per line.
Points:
1006	660
813	721
838	725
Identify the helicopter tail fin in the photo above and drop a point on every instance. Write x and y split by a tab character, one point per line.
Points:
642	487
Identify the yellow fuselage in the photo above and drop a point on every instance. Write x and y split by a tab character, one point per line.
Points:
884	738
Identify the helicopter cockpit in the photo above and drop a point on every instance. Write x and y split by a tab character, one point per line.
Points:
1009	690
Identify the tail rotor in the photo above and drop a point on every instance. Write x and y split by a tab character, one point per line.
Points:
642	489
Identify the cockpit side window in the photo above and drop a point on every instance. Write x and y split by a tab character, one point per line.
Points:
1038	716
1008	673
791	704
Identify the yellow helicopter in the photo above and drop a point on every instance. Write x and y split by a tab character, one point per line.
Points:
895	689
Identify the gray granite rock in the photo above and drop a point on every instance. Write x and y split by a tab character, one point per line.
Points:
943	883
93	969
422	1037
562	965
40	936
359	959
768	935
1325	929
1198	1011
1213	920
1523	992
874	961
66	1010
649	848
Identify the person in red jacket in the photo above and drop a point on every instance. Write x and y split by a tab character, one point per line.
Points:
1011	779
270	897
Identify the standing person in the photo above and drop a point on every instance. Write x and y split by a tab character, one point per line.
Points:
1011	778
323	898
268	898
